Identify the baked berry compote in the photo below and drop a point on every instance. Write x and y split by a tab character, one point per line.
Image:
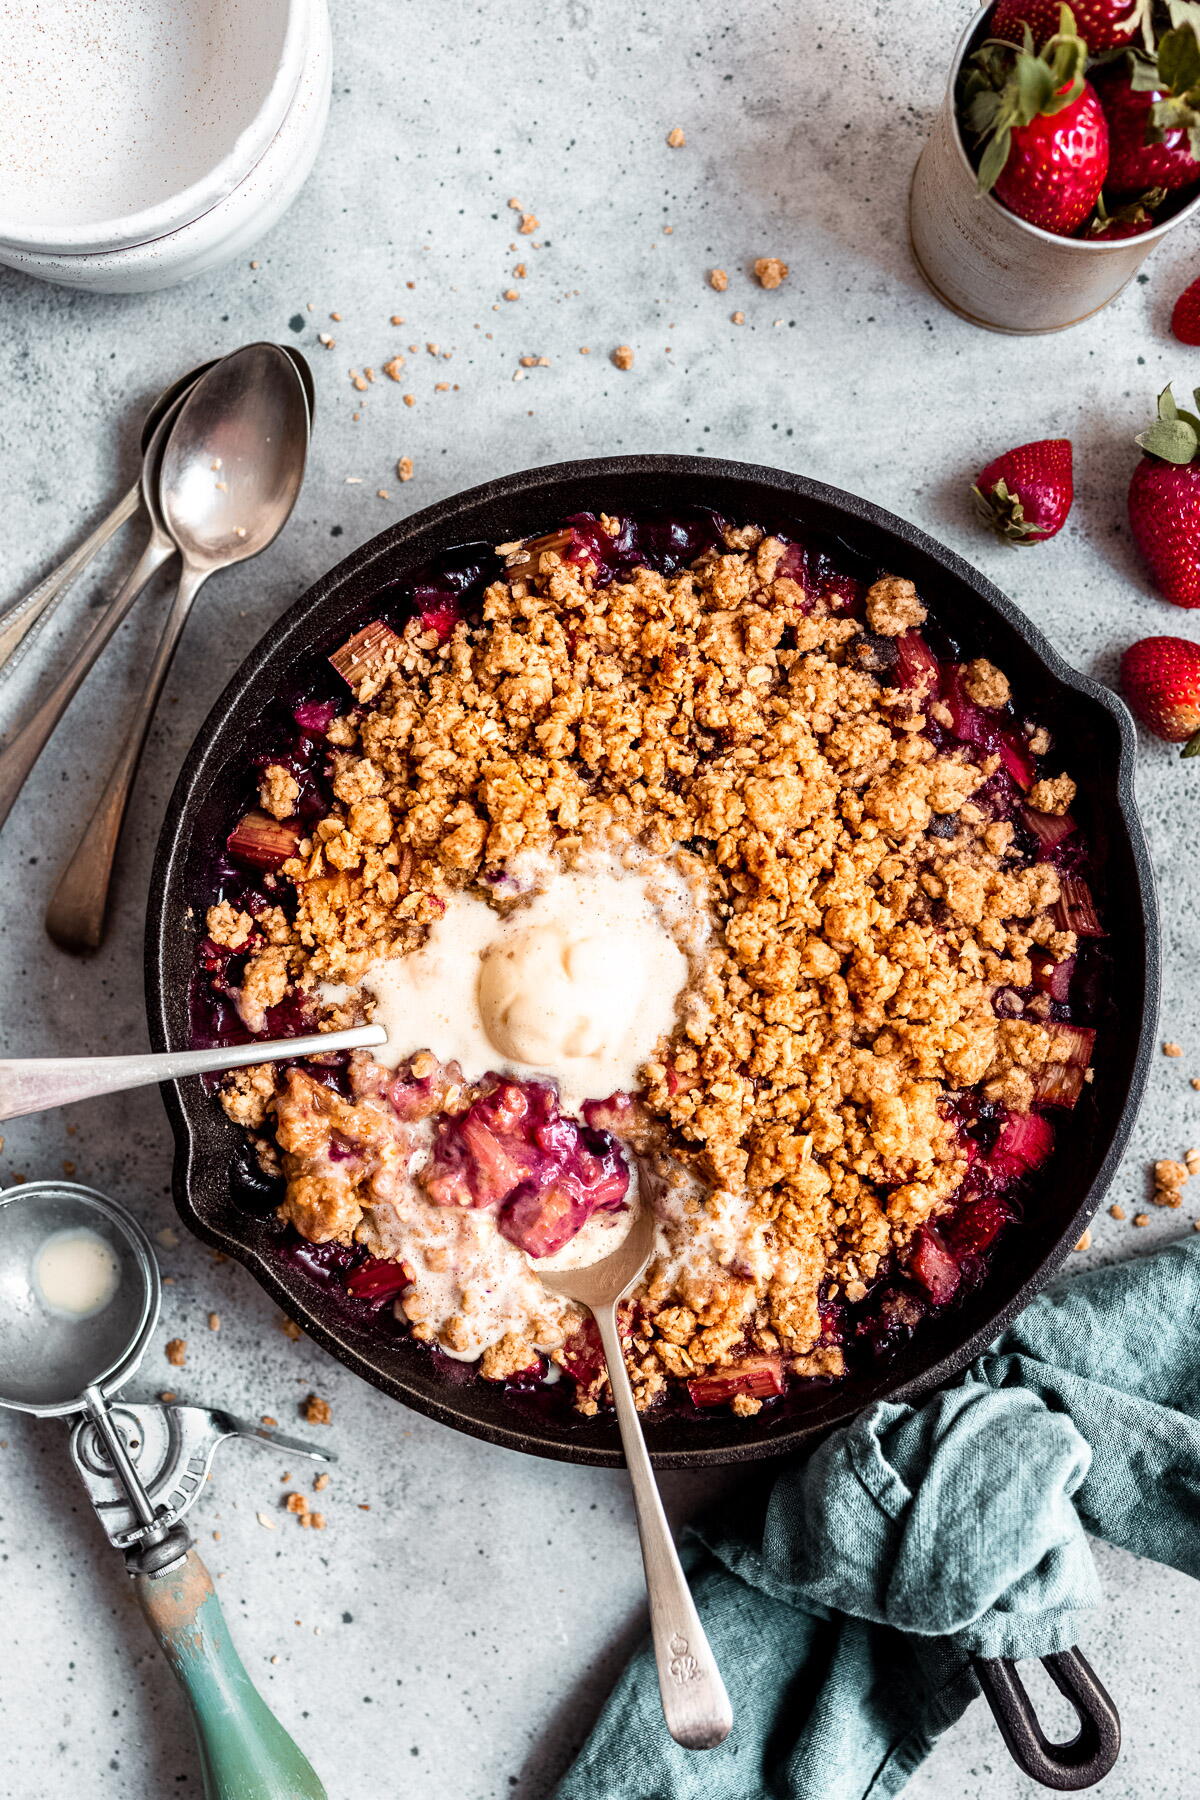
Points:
686	870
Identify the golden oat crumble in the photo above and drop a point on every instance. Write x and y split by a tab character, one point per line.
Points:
770	271
278	791
1053	796
722	715
987	685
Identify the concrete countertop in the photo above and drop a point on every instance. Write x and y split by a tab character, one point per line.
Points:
453	1630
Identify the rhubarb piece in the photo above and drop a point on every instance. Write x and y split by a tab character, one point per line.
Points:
379	1279
1015	756
1076	1040
969	723
1075	909
545	1174
1050	977
1024	1142
525	559
264	842
1058	1084
1048	828
370	652
916	665
933	1266
761	1376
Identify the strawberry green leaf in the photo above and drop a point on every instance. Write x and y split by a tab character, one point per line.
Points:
1173	440
993	160
1167	408
1192	747
1179	59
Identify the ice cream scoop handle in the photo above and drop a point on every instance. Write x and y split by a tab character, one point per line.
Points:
245	1754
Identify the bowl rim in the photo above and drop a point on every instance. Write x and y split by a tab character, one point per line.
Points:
131	230
526	488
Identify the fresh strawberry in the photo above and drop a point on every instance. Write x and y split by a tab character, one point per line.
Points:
1129	220
1026	494
1043	130
1152	103
1160	678
1104	24
1164	501
1185	315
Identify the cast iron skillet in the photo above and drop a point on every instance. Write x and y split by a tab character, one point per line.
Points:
1097	737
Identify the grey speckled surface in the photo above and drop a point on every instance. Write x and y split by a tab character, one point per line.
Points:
454	1640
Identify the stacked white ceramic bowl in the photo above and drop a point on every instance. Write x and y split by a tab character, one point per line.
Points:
149	141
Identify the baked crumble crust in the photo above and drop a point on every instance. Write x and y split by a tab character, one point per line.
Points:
724	716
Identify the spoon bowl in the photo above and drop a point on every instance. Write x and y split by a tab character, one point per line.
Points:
232	468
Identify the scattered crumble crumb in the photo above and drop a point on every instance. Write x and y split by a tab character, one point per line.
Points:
717	278
623	356
528	225
321	1482
738	318
267	1419
510	294
177	1352
1170	1049
167	1395
676	138
1141	1218
214	1321
1116	1212
770	271
290	1329
318	1521
404	468
315	1410
393	366
266	1521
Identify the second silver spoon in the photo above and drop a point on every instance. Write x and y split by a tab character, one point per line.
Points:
229	478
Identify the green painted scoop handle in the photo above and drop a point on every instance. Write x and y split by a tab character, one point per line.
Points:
245	1753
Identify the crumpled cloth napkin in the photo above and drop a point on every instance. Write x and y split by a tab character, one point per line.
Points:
844	1613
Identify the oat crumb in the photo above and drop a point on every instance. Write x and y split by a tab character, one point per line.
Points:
1141	1218
676	138
770	271
176	1352
717	278
266	1521
1116	1212
315	1410
404	468
623	356
1170	1049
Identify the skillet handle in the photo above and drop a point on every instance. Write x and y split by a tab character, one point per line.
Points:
1089	1756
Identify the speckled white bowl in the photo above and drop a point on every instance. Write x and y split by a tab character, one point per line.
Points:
194	155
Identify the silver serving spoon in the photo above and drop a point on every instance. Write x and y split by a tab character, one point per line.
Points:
695	1704
34	1084
19	619
230	475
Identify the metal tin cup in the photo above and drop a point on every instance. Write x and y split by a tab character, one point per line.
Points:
993	268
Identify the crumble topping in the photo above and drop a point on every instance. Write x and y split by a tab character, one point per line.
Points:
793	1130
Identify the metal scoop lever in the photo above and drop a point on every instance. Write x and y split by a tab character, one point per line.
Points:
37	1083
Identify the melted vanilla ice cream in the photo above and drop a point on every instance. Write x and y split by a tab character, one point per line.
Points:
579	982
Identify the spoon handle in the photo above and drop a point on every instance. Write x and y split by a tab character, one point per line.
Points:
76	913
28	742
694	1701
37	1083
21	617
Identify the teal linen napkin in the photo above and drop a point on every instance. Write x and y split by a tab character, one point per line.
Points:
844	1613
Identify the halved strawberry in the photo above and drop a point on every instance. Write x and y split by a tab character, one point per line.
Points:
1160	678
1025	494
1164	501
1043	131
